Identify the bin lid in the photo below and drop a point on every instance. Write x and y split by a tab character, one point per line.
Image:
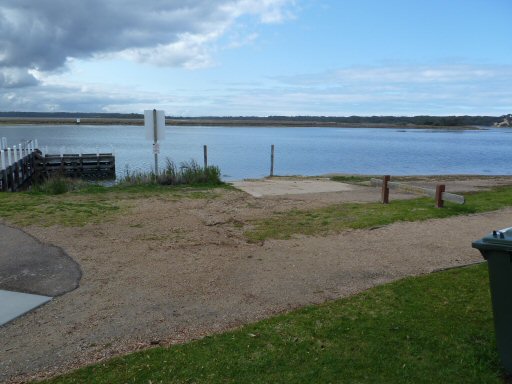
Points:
498	239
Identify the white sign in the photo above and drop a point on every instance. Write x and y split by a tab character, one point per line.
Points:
156	148
152	133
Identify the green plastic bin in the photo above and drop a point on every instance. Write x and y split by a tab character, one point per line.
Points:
496	248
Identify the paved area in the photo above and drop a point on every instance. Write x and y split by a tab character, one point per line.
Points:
289	186
15	304
31	273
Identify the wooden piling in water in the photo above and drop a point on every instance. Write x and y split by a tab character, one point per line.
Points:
272	160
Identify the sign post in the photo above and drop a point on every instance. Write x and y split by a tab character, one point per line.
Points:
155	141
154	121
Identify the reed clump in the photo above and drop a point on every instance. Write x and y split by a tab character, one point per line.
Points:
187	173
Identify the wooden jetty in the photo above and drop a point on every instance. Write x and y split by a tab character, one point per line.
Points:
17	167
87	165
21	165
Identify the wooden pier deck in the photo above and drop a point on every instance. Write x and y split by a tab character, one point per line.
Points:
20	167
87	165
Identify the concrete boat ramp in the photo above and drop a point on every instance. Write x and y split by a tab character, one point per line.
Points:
291	186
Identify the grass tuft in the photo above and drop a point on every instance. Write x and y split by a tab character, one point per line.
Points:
58	185
353	179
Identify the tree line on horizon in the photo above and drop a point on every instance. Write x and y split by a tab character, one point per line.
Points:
426	120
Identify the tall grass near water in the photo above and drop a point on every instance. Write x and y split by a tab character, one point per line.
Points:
187	173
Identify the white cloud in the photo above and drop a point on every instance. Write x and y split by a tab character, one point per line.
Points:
401	74
190	51
269	11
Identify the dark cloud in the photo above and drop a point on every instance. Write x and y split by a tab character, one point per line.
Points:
16	78
42	34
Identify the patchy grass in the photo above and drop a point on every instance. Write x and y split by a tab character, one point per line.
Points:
431	329
88	203
352	179
339	217
65	209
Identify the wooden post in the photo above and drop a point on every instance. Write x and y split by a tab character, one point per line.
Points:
205	153
439	195
3	169
272	160
10	179
3	176
16	168
385	190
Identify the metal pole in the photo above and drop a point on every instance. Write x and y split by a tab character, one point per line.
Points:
205	150
155	141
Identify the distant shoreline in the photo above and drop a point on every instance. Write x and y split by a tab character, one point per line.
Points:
221	123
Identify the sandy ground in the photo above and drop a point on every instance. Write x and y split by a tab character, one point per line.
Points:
171	271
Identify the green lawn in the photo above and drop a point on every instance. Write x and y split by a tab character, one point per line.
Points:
430	329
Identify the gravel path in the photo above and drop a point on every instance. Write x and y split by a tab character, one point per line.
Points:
171	271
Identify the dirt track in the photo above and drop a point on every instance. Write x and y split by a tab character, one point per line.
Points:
170	271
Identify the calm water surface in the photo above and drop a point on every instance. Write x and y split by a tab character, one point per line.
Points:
245	152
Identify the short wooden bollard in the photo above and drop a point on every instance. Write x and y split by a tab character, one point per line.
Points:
205	153
439	195
272	160
384	197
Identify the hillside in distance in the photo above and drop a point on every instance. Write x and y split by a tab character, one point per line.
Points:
356	121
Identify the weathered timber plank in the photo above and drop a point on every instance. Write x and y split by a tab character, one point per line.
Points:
458	199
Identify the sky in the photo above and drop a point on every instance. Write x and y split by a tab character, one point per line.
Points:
257	57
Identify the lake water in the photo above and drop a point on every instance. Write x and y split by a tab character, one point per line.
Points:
245	152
